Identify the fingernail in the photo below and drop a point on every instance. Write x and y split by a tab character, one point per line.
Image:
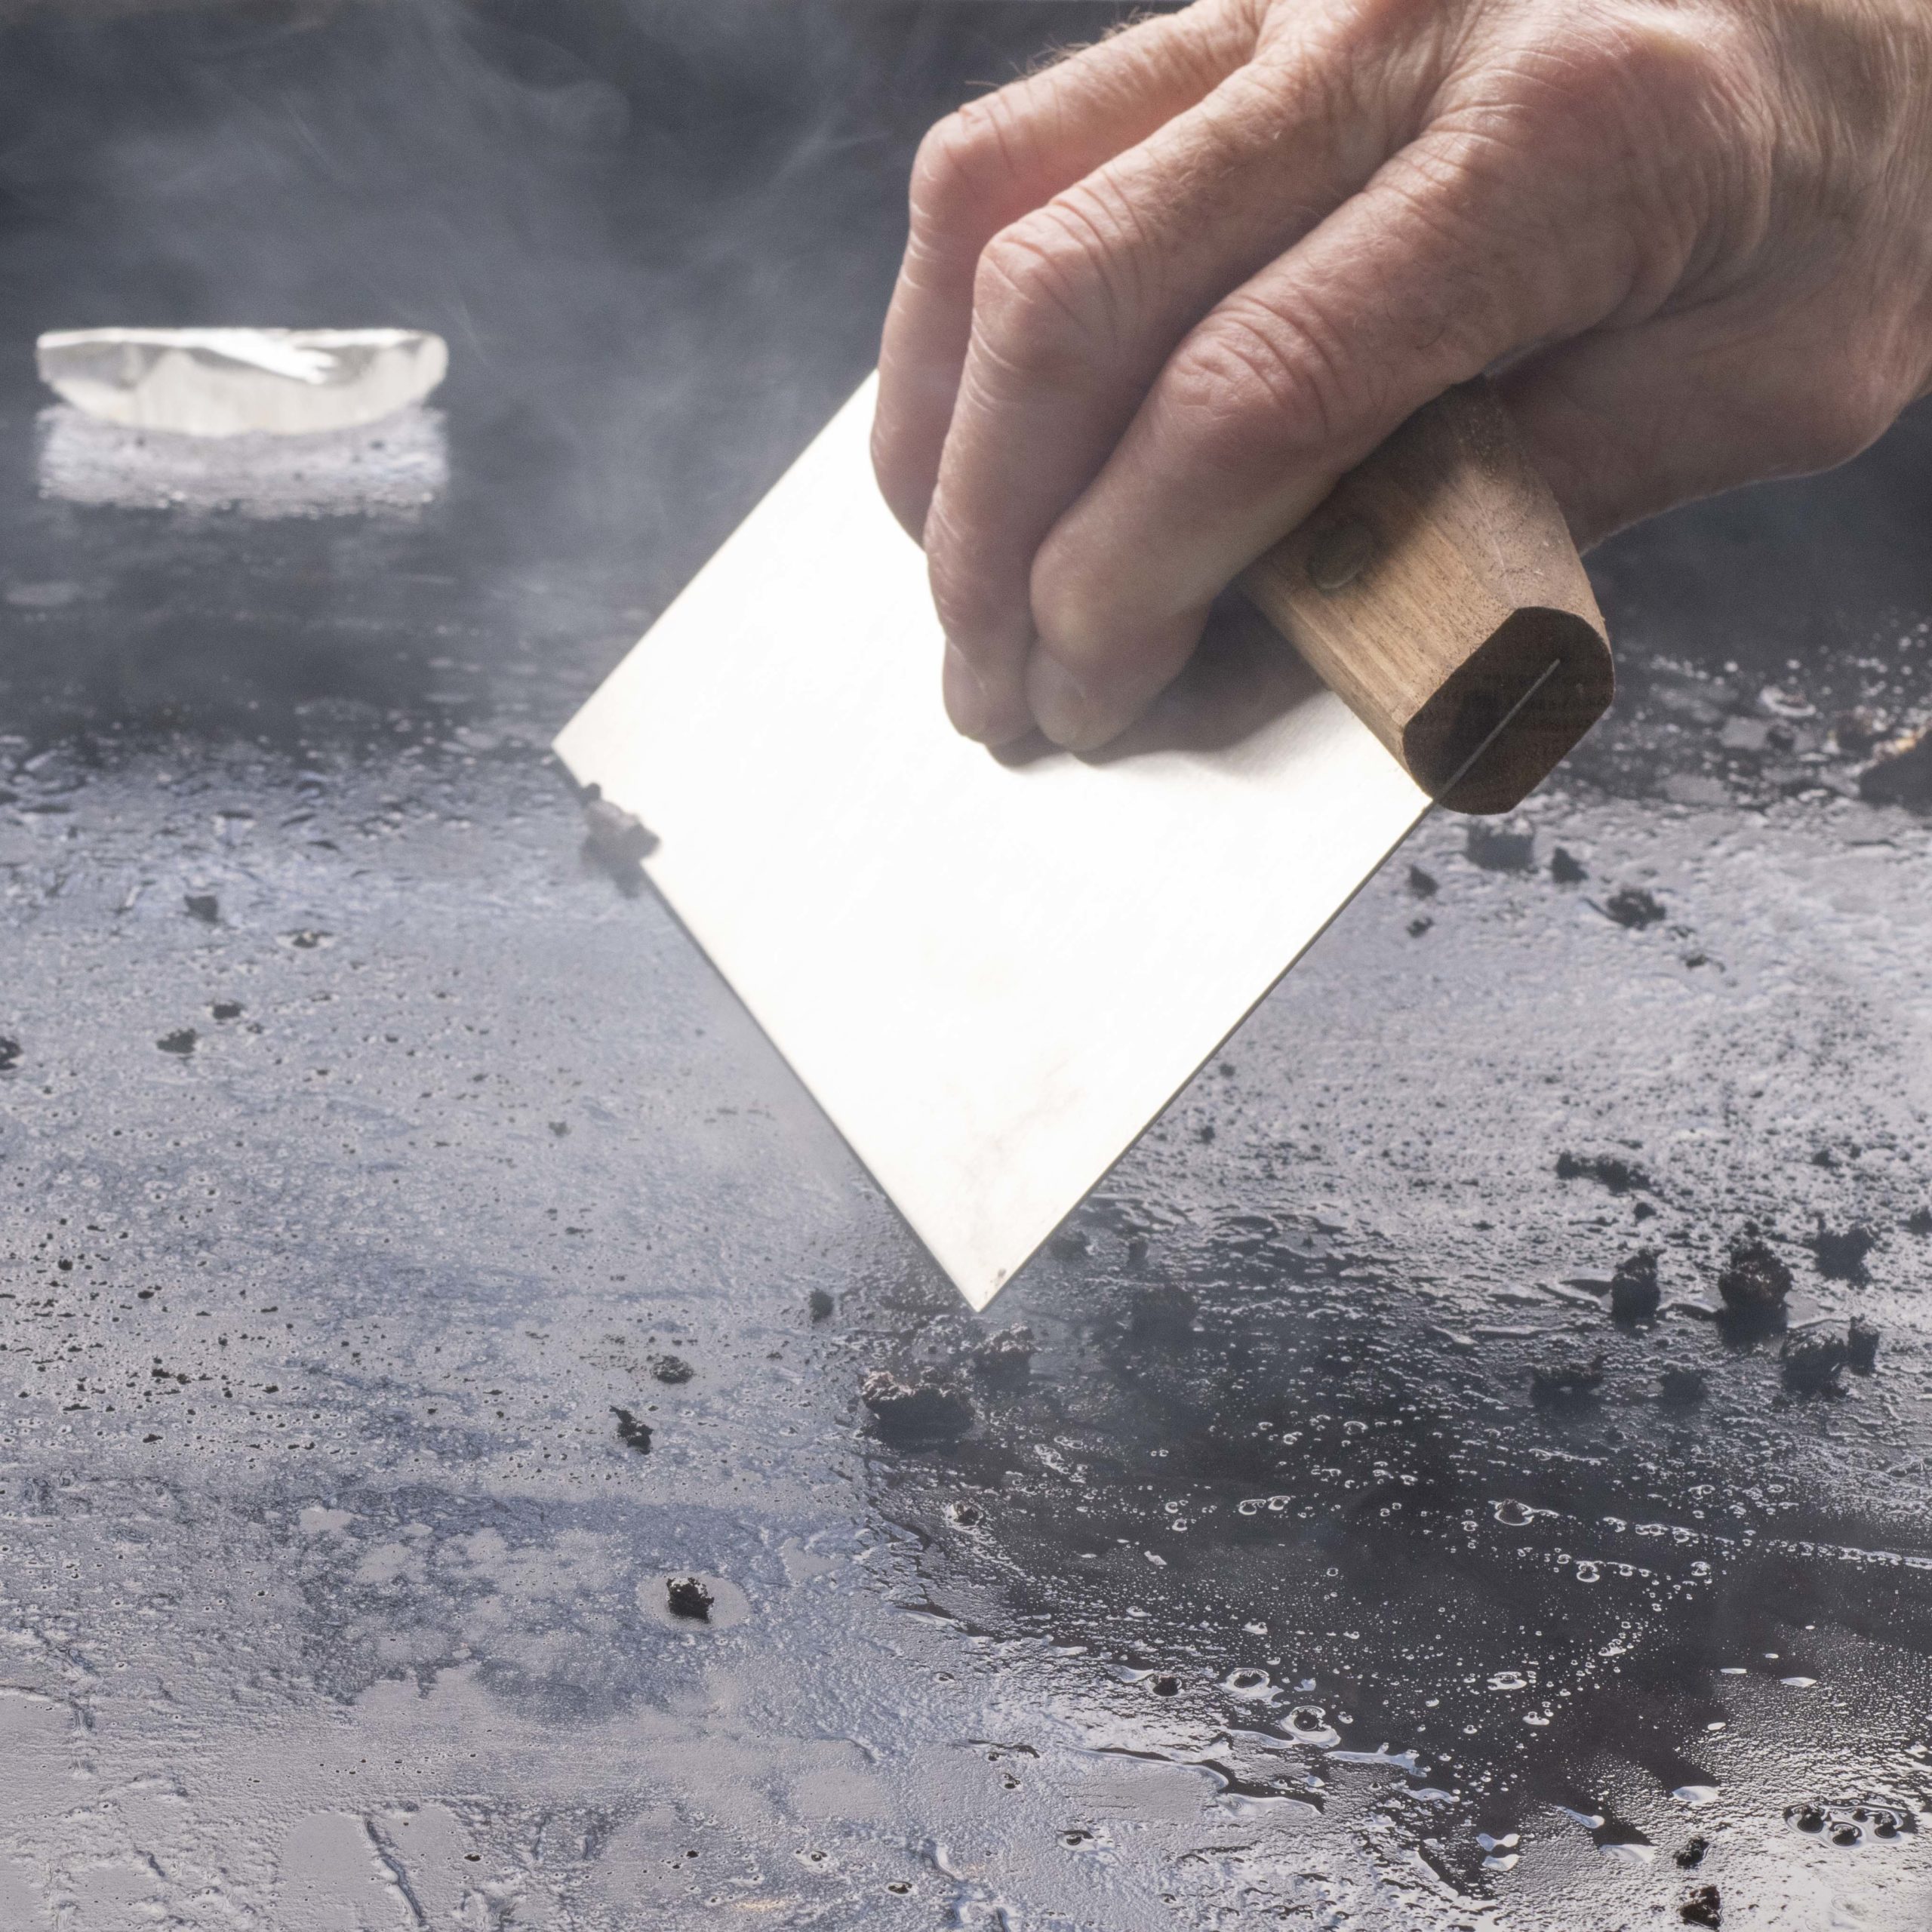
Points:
1061	706
965	696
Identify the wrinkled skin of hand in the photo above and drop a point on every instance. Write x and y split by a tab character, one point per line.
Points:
1158	296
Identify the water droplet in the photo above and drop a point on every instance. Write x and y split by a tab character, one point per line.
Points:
1509	1679
1308	1723
1636	1853
1588	1572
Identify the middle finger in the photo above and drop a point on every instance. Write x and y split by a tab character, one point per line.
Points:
1078	306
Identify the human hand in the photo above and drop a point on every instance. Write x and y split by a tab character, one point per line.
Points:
1159	297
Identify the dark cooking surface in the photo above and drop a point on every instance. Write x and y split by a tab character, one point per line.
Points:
333	1587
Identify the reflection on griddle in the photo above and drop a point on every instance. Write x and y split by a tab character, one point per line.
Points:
390	469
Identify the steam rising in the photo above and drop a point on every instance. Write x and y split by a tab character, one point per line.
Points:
658	236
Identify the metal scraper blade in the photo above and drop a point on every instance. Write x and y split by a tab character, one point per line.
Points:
991	972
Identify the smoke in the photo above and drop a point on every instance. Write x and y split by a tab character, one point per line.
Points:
658	236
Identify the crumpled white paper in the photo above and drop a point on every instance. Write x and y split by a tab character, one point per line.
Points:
235	382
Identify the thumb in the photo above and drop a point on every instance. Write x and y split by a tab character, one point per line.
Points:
1626	423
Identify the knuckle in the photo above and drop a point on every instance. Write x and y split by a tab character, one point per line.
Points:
1643	70
969	603
1503	247
1043	298
1625	133
1254	388
964	614
963	161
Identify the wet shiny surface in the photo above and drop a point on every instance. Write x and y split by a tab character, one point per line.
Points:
334	1591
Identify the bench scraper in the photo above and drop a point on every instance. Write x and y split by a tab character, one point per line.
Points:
993	972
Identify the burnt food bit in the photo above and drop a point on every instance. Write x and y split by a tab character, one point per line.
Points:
1901	774
1422	884
226	1009
1006	1357
1918	1222
688	1597
1754	1281
1418	927
1692	1856
1162	1314
819	1304
1813	1365
202	906
1634	1290
923	1411
1841	1251
1683	1386
1611	1170
1703	1907
1569	1379
617	839
10	1055
1631	906
181	1041
673	1369
1861	1346
1504	845
1566	868
632	1432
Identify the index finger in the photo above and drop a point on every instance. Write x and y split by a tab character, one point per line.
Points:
997	159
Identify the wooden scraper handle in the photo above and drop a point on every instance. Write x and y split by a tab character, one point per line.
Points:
1438	593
